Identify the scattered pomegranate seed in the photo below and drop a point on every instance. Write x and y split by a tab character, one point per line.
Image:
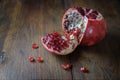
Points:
83	69
66	66
40	59
31	59
34	46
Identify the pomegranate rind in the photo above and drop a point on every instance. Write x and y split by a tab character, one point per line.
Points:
95	32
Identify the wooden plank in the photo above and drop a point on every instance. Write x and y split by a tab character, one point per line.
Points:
23	22
29	22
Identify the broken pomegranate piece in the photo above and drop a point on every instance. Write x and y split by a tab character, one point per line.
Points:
90	23
58	44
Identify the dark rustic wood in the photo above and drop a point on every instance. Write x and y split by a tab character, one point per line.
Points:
23	22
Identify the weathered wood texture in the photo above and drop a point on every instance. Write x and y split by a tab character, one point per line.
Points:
23	22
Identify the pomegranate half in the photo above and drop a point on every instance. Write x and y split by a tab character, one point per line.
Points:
90	24
58	44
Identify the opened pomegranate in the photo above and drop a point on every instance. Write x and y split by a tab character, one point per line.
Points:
58	44
89	25
82	26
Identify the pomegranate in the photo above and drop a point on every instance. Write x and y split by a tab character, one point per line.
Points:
82	26
89	25
58	44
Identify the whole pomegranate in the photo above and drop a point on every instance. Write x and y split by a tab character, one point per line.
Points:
90	24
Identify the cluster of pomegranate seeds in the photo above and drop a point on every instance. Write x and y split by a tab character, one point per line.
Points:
66	66
81	10
40	59
92	15
35	46
83	69
53	40
66	23
31	59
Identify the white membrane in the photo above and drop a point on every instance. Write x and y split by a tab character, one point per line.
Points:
75	21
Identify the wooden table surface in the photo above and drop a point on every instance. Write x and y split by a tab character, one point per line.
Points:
23	22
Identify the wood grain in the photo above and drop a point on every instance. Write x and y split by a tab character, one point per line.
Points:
24	22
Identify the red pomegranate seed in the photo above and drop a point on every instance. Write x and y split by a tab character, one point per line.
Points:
40	59
66	16
81	10
66	23
34	46
83	69
31	59
66	66
69	65
67	35
95	12
87	10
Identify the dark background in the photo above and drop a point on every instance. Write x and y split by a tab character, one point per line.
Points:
23	22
